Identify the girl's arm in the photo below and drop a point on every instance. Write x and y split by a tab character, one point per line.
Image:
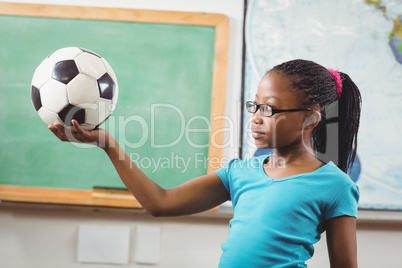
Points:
341	242
194	196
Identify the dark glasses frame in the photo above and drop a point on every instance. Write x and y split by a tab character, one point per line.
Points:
265	107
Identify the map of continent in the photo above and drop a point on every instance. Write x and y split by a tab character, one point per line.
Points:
395	37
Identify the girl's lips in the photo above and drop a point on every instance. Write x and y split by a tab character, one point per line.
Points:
257	133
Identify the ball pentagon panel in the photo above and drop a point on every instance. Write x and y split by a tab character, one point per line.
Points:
65	71
35	97
106	86
72	112
113	75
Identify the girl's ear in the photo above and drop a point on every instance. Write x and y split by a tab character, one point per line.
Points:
312	120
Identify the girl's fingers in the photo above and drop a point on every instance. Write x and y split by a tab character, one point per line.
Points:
52	129
59	127
75	134
80	134
61	134
78	127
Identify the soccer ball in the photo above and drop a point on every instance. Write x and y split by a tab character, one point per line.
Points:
74	83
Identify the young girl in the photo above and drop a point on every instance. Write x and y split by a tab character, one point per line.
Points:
282	202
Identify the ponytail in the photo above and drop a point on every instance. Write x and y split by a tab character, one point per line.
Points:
349	118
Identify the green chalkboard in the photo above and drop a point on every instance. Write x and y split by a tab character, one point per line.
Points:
165	75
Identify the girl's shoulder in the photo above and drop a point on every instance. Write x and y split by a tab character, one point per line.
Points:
333	170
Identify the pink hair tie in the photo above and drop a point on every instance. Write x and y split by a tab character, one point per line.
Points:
338	81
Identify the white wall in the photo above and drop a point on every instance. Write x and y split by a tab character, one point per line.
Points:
48	238
32	237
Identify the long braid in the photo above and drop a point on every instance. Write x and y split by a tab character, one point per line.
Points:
349	111
319	88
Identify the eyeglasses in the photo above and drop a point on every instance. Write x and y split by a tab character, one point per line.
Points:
268	110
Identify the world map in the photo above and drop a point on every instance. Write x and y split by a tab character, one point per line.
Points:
395	36
360	38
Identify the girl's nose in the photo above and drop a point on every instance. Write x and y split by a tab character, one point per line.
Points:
257	117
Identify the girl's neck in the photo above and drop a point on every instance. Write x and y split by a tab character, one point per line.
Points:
297	156
282	165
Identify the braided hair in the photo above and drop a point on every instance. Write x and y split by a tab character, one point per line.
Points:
320	88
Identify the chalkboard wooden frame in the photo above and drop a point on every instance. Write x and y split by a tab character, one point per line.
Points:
218	21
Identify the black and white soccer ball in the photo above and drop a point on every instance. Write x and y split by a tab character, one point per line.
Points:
74	83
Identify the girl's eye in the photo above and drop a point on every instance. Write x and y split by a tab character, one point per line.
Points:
268	107
266	110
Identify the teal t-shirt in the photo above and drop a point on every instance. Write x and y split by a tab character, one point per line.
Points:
277	221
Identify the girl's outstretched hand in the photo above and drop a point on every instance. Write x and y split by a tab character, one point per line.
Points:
98	137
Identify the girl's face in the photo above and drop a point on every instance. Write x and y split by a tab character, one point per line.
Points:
281	129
